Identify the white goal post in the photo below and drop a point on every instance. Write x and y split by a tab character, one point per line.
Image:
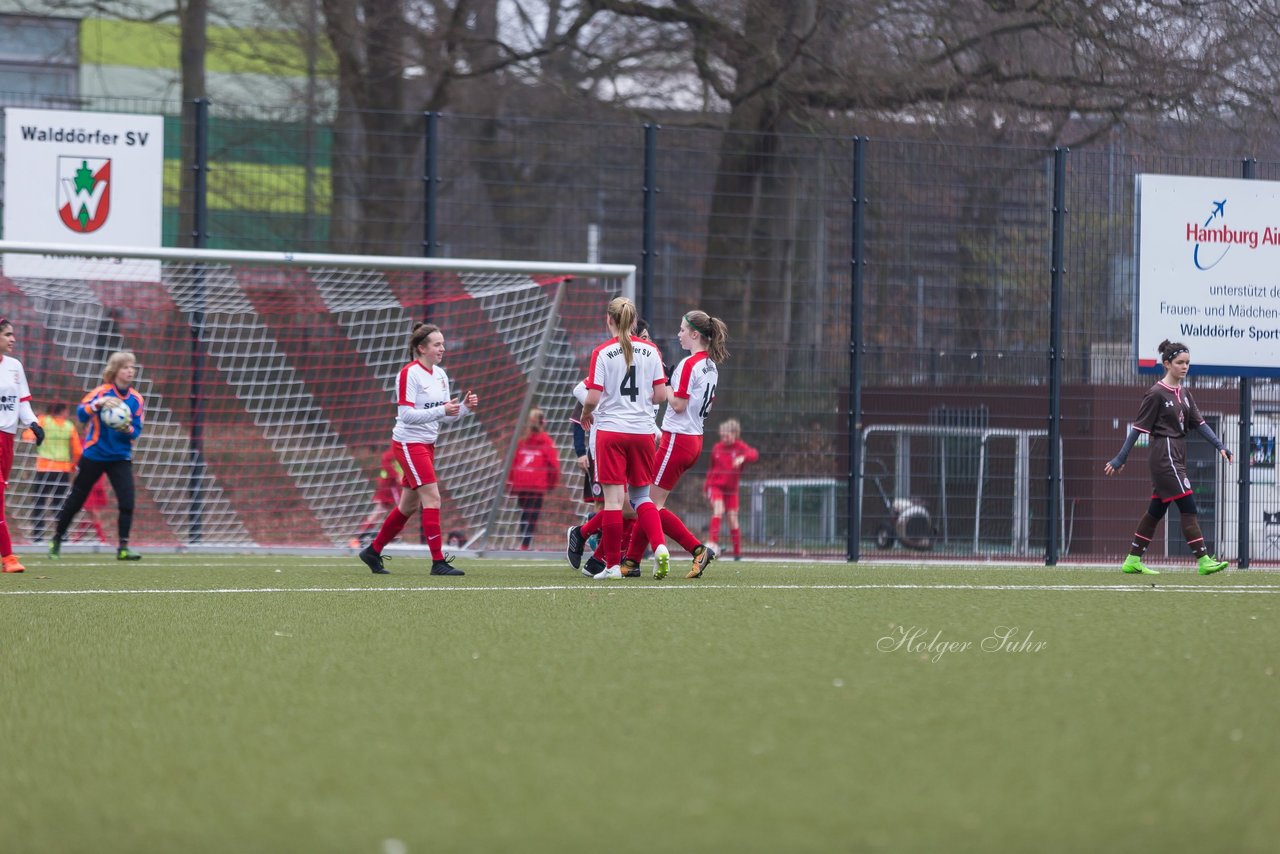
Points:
269	380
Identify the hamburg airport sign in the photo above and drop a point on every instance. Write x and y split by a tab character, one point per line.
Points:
1209	272
83	179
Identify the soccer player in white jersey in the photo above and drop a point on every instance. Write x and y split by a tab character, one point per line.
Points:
693	391
625	380
578	535
15	412
424	402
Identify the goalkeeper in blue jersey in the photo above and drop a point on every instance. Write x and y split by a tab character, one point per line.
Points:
107	451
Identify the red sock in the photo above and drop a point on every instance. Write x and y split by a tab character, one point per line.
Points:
592	525
634	539
675	529
611	537
431	530
391	527
648	520
715	529
736	533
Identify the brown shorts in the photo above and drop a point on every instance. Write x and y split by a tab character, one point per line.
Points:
591	491
1168	461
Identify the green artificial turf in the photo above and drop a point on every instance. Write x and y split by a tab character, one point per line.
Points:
259	703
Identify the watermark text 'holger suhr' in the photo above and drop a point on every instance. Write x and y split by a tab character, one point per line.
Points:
915	639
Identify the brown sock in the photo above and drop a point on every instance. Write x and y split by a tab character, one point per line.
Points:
1195	539
1142	536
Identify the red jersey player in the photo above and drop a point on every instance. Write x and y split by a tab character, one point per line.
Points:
728	456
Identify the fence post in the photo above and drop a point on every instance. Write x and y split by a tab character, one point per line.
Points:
430	178
647	255
857	262
1053	511
1245	456
199	239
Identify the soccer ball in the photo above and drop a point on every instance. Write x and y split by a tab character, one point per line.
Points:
116	417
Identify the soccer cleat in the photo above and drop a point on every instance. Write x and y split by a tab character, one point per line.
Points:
55	549
125	554
611	572
12	564
1208	565
592	566
445	567
630	568
373	560
702	557
661	562
575	544
1133	564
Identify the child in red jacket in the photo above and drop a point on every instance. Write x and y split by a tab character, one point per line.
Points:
728	456
535	471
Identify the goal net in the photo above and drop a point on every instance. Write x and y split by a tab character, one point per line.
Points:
269	382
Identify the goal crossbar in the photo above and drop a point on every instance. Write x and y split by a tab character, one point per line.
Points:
625	272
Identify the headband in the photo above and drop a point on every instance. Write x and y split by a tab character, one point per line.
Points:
1174	354
705	333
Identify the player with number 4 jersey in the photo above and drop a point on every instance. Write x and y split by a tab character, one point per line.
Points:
693	391
625	380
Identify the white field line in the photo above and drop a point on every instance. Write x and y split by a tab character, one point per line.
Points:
623	588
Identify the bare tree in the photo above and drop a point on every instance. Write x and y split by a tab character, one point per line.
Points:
1045	67
397	60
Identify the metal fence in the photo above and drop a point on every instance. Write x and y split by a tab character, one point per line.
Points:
925	296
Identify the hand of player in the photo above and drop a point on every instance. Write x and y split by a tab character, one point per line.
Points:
471	400
452	408
38	432
1225	452
582	462
1109	469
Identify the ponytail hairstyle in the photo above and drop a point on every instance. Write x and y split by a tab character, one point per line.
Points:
115	363
1169	350
421	332
622	312
713	330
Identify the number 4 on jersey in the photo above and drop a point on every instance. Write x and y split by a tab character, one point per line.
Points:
629	387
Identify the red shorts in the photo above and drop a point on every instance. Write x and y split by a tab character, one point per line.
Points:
624	458
417	461
730	499
676	455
